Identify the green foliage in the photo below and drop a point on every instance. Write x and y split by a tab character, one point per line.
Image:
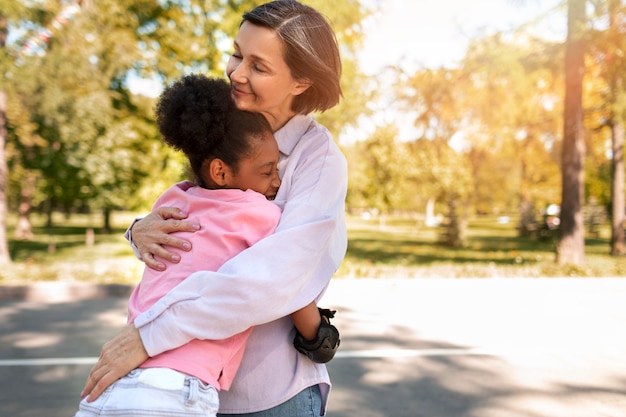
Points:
346	17
488	132
385	170
74	123
492	126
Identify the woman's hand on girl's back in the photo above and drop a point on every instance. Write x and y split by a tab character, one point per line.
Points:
152	235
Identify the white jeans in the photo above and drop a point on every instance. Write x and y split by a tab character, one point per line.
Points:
157	392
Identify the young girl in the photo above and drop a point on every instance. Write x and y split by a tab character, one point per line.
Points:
234	158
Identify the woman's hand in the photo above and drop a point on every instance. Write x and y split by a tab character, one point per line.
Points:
119	356
152	233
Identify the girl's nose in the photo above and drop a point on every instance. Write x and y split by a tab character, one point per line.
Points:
276	181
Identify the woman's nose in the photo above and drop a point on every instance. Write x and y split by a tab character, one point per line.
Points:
237	73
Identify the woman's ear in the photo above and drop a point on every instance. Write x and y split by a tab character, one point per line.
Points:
217	171
301	86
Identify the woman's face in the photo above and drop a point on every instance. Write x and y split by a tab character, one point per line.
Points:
260	78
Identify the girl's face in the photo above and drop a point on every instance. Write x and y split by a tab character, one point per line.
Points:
260	78
258	172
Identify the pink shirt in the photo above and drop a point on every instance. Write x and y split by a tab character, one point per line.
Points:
232	220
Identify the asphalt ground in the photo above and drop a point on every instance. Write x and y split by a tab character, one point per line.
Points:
410	347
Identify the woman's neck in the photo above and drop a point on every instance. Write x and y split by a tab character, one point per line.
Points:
278	121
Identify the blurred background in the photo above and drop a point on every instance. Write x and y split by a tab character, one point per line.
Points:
454	122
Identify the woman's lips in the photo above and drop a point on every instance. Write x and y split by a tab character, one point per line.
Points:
240	93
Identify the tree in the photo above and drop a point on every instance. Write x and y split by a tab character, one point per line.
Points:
570	248
605	116
443	175
76	122
345	18
386	171
512	129
438	99
80	139
618	97
4	247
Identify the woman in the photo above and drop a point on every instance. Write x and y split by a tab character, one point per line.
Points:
285	65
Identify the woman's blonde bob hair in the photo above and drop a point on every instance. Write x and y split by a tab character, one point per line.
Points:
310	50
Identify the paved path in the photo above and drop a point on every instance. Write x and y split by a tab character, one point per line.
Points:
410	348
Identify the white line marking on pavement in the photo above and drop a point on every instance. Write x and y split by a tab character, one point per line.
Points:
406	353
370	353
48	361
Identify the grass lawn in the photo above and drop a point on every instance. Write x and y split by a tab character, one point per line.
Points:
404	248
400	248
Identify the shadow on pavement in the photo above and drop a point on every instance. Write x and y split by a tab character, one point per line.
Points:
35	330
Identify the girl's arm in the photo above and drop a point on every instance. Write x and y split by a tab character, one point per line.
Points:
307	321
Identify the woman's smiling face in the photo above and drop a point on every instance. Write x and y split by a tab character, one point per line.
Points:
261	79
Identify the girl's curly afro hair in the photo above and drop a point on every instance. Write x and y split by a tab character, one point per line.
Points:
198	116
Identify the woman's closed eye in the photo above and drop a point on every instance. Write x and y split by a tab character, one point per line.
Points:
259	68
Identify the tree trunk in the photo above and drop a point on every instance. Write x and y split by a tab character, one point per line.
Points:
23	230
527	226
617	190
5	257
570	248
106	217
453	232
528	222
617	138
49	211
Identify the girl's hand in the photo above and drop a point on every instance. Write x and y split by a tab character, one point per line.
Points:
151	236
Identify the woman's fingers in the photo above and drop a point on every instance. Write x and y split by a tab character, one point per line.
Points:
169	213
118	357
152	236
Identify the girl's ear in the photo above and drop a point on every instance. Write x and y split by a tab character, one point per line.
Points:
218	171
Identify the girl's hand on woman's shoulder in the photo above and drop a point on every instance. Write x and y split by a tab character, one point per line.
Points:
151	236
